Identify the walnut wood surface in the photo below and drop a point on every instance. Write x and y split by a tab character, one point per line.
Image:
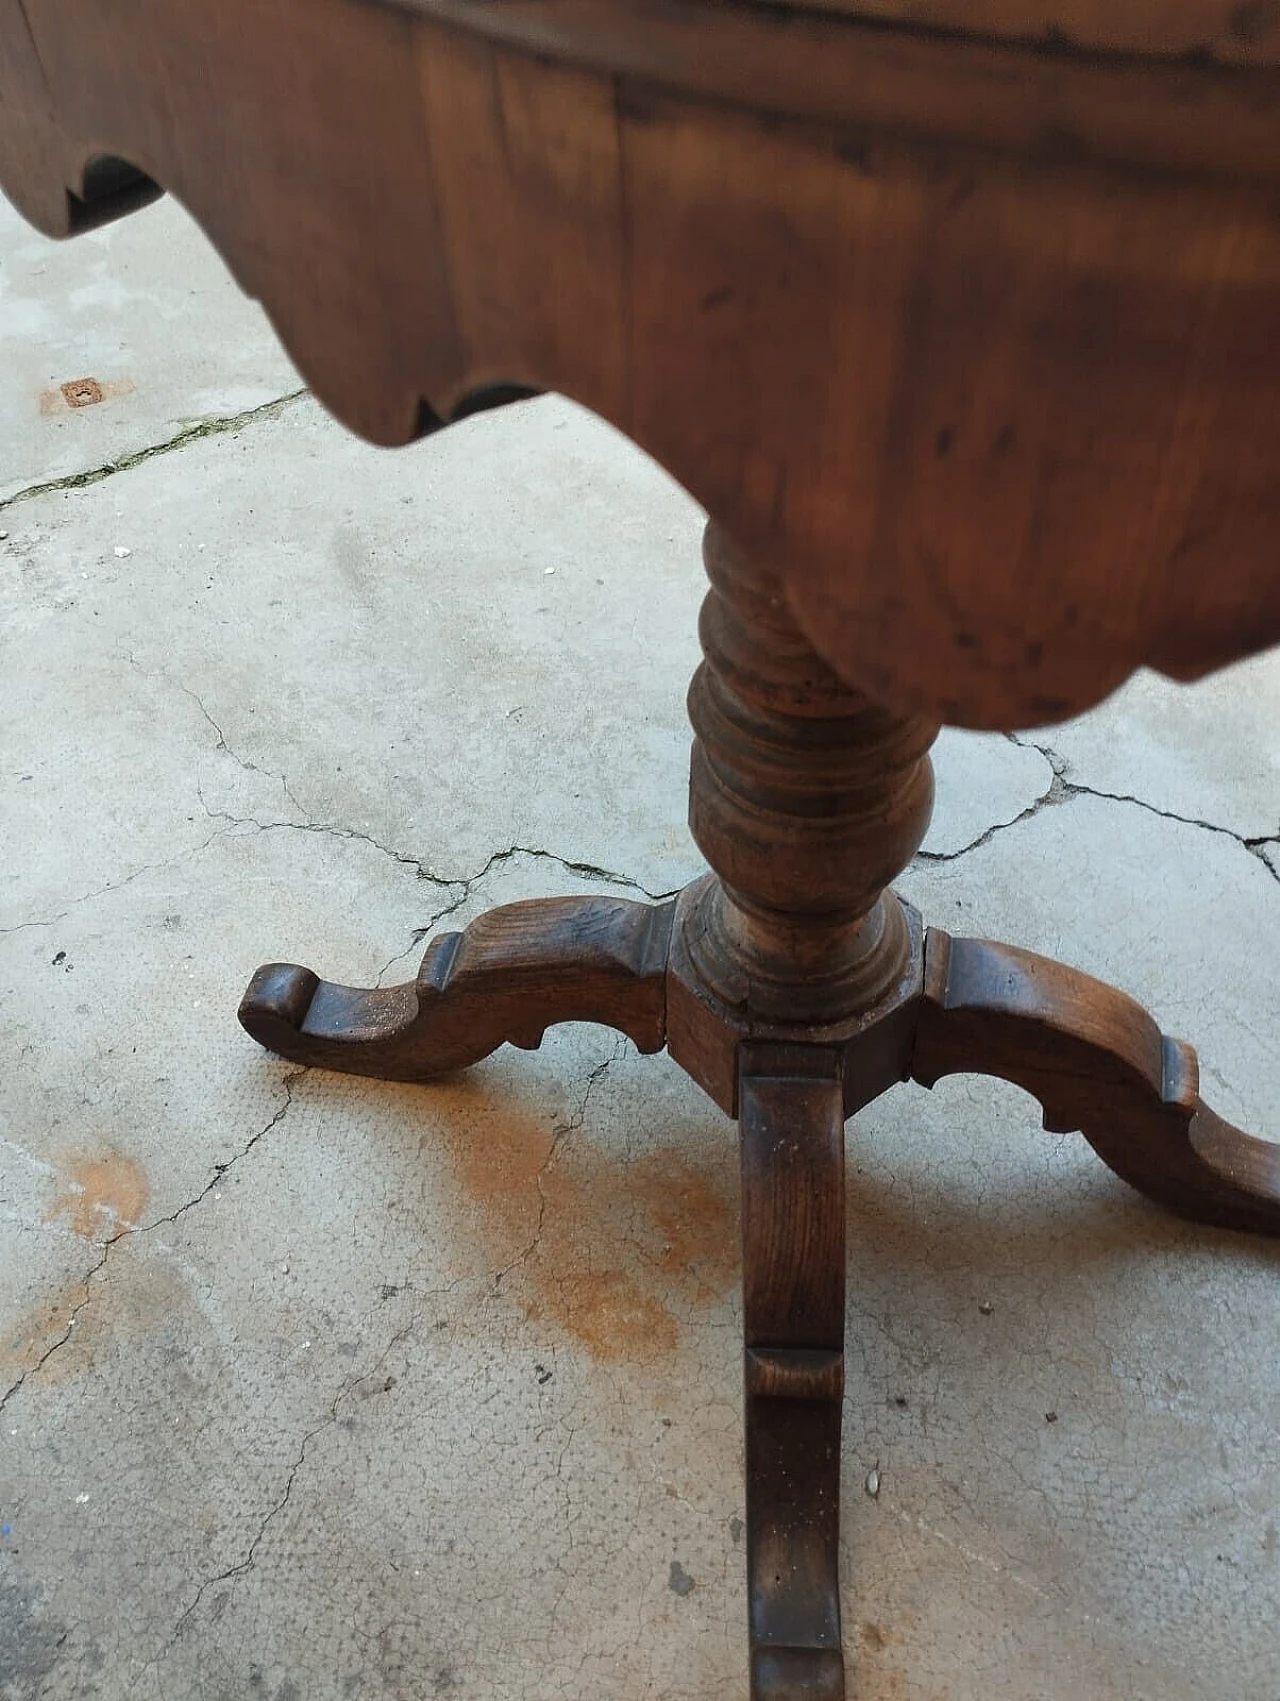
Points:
806	799
1225	29
1175	114
975	342
1099	1064
54	185
510	975
794	989
793	1284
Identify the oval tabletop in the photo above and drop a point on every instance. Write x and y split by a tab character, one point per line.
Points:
972	334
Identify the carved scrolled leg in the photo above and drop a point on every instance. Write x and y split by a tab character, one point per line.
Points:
791	1118
1099	1064
513	973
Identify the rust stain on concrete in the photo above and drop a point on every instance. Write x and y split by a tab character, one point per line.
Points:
87	1319
39	1330
103	1193
614	1253
609	1312
691	1213
82	393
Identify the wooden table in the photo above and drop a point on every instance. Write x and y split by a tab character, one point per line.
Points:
966	334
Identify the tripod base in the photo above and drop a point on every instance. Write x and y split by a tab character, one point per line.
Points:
794	987
1094	1058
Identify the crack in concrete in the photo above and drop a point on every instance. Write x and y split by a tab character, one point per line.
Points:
559	1134
114	885
228	821
220	1171
309	824
1055	795
585	870
33	1369
1062	790
273	1512
1255	845
331	830
468	882
459	886
243	762
214	426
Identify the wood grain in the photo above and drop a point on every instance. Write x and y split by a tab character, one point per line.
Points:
61	190
509	976
981	363
1225	29
1185	114
1099	1064
794	989
293	130
793	1272
967	340
537	260
807	799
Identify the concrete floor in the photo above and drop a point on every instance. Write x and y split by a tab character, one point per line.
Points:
317	1388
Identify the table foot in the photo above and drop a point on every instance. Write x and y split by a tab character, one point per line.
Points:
791	1120
1098	1063
794	988
512	974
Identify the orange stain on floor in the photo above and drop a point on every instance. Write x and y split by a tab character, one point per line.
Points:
614	1253
611	1315
102	1193
29	1339
82	392
699	1230
84	1323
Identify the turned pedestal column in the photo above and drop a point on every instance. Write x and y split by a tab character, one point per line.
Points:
794	987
